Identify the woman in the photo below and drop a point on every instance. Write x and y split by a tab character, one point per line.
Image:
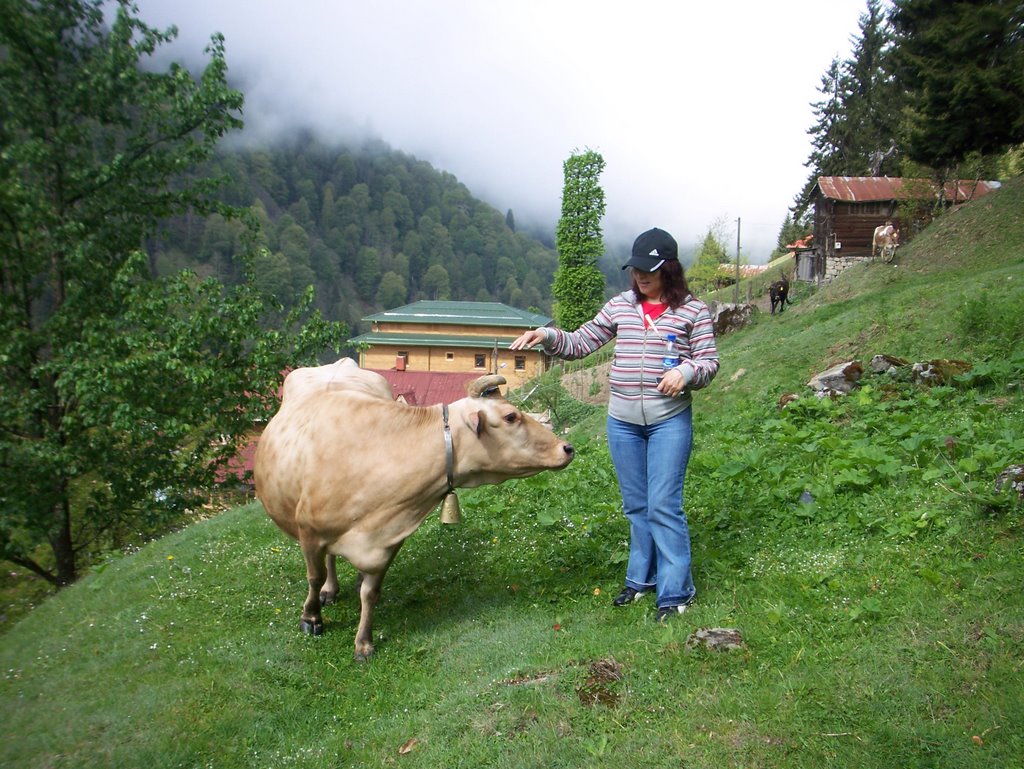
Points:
650	427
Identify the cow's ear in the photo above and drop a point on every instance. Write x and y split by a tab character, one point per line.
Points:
474	421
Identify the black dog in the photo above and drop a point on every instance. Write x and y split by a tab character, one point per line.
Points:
779	293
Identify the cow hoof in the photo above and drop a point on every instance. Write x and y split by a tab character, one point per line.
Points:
315	627
326	599
363	655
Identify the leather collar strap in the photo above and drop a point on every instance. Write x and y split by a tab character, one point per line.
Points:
449	450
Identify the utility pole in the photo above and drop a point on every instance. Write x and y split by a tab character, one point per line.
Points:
736	292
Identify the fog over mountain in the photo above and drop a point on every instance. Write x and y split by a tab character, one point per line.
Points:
700	110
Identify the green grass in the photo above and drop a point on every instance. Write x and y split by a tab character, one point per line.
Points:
883	624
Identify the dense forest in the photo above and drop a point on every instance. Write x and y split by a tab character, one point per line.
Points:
368	227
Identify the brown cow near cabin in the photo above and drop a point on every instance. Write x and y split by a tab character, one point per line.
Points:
885	239
347	471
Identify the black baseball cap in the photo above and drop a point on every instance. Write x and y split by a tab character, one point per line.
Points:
652	249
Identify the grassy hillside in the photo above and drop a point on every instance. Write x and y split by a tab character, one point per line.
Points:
882	622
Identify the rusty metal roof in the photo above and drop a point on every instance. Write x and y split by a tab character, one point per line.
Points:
853	189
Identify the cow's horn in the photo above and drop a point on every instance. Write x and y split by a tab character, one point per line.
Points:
485	386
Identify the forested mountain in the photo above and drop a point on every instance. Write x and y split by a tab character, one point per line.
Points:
368	227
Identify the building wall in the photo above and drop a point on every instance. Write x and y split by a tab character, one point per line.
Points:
852	227
457	359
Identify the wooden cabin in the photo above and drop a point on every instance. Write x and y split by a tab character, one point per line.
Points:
848	208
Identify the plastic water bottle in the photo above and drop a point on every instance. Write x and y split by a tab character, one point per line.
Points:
670	358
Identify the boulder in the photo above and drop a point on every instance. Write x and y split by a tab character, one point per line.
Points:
939	372
881	364
786	398
730	317
838	380
1012	479
716	639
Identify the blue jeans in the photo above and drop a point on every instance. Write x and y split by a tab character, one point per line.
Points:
650	461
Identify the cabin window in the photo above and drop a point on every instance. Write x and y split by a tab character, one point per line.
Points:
480	361
449	356
520	363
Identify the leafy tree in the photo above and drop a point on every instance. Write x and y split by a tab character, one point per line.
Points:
368	270
962	64
435	283
123	393
392	291
578	287
710	256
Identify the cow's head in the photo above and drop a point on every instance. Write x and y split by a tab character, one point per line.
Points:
503	441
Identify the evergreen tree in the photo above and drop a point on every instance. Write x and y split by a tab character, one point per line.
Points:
830	135
578	287
856	121
873	104
962	64
790	232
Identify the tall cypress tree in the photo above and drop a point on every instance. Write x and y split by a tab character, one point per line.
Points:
578	286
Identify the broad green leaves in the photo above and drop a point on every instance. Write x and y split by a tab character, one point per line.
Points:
123	394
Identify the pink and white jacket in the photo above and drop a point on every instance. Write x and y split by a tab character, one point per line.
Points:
637	362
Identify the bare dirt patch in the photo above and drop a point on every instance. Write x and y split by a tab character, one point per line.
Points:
589	385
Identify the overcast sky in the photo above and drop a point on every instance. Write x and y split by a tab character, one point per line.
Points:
700	109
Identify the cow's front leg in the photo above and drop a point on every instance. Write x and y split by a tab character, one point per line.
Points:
369	593
316	574
329	591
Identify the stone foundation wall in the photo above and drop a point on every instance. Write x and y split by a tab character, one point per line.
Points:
836	264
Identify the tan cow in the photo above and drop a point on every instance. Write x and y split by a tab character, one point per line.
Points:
347	471
885	239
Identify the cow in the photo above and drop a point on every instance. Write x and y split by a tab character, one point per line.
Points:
885	240
347	471
779	294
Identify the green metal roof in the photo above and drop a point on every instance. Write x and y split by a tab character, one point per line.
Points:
401	339
462	314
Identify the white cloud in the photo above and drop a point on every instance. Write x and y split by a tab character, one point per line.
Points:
699	110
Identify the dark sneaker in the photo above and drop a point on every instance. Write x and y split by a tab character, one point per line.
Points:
627	596
670	611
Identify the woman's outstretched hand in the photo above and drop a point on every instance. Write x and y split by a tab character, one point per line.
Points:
527	339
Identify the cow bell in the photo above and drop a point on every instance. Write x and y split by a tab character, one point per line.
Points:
450	512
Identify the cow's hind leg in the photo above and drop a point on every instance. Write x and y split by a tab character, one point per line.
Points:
316	574
329	591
